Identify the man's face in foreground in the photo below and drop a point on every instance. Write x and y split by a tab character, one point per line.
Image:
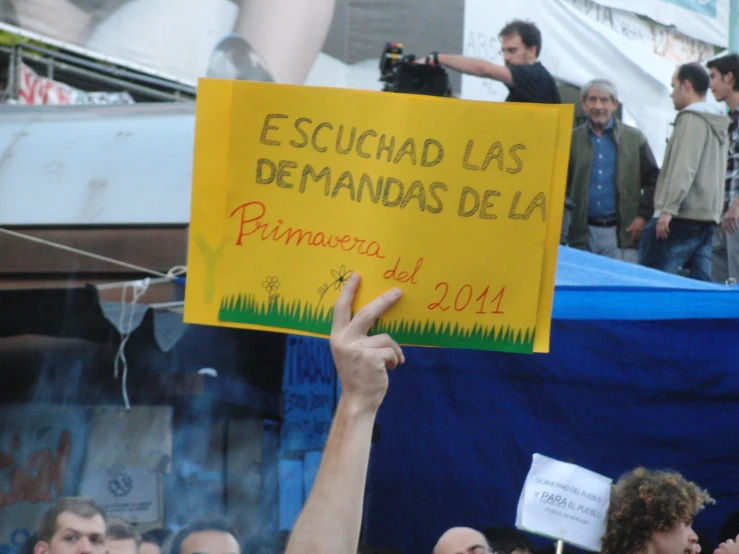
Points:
515	52
210	542
75	535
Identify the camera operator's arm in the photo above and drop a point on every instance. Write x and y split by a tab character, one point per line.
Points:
471	66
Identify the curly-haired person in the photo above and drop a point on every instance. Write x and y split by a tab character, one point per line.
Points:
651	512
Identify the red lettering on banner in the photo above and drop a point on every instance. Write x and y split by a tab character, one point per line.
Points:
39	90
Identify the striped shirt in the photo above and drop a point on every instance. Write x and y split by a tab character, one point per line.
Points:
732	166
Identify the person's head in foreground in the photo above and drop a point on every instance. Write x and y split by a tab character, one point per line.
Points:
508	540
724	76
520	43
462	540
205	537
599	100
651	512
152	541
72	525
689	85
122	538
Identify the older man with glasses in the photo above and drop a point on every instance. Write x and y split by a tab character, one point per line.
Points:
611	180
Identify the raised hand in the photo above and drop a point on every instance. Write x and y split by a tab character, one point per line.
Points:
332	516
362	361
730	546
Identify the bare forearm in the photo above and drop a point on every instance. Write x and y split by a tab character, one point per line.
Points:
331	518
477	67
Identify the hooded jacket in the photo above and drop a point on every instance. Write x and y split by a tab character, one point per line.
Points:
691	181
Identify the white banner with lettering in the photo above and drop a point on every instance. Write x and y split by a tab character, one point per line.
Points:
564	501
34	90
703	19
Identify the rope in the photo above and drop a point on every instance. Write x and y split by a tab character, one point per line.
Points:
88	254
128	309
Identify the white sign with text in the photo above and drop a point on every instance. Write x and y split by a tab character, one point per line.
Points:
126	493
564	501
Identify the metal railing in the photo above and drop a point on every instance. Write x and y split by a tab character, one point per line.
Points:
94	75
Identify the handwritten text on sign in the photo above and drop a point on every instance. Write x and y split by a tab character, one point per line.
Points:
447	199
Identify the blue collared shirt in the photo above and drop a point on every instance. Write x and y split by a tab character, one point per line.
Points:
602	190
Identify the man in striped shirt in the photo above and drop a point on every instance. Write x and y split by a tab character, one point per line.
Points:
725	87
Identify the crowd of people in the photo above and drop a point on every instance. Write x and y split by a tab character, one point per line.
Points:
650	511
79	525
682	218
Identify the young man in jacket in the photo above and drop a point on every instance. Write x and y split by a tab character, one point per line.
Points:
689	199
611	179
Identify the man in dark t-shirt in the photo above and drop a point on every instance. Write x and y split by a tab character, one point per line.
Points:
532	83
527	80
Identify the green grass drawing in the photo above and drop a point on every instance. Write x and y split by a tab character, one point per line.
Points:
305	316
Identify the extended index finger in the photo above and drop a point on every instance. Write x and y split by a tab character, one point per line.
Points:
343	306
367	316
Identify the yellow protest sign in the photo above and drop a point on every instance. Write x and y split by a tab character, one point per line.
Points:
458	203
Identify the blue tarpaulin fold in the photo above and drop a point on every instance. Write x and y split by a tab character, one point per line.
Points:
589	286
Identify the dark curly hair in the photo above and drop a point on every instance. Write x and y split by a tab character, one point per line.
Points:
644	501
528	31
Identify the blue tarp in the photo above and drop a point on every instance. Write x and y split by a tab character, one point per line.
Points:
642	371
595	287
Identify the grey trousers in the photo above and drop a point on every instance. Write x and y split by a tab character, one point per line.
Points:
604	241
725	257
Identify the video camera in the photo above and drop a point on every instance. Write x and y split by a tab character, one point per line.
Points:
401	74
